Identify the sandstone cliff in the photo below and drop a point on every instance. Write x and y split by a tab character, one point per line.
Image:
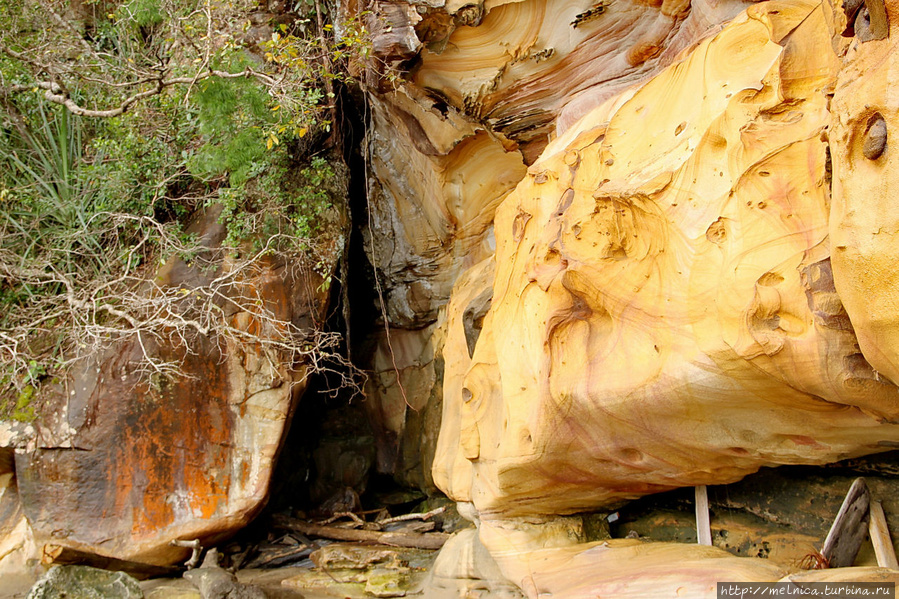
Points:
663	307
620	247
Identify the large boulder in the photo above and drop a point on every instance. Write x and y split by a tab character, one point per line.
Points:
84	582
664	311
119	463
864	222
488	86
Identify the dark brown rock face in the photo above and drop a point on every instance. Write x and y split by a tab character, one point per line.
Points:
143	459
120	463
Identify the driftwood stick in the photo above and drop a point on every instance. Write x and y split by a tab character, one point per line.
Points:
880	538
57	555
405	517
703	525
430	540
849	527
338	515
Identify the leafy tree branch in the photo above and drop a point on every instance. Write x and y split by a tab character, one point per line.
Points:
120	128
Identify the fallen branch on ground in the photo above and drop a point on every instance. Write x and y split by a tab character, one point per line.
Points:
407	517
430	540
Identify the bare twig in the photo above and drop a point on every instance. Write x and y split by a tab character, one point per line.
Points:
193	544
356	519
407	517
430	540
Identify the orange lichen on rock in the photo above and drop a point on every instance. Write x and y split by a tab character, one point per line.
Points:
187	457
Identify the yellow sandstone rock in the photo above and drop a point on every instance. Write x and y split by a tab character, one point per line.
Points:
664	311
864	219
661	310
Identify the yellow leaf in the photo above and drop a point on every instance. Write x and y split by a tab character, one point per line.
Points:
302	132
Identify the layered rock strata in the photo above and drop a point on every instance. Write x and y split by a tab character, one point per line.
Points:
665	305
664	311
486	87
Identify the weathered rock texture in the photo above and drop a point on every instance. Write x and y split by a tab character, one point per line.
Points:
16	541
664	312
84	582
663	308
863	221
490	85
119	466
435	181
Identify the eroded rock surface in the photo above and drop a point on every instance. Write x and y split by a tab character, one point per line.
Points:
120	466
864	221
214	582
664	311
488	85
435	180
83	582
16	540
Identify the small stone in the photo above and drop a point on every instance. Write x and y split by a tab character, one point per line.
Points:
387	582
214	582
84	582
875	138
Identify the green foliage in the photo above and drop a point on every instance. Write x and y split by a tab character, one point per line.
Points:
282	209
89	207
144	13
65	185
232	114
138	162
21	407
45	201
24	410
311	198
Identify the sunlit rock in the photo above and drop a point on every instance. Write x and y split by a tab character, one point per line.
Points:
617	567
530	67
16	540
435	180
464	566
864	220
661	310
490	85
664	312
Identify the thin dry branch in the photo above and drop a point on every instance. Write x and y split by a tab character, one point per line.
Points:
55	93
429	540
125	306
406	517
